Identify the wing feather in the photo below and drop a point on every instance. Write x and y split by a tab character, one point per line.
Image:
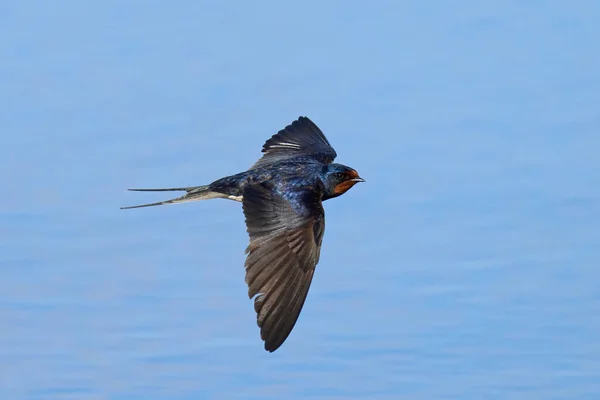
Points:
302	138
282	255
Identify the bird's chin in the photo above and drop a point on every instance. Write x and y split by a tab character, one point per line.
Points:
343	187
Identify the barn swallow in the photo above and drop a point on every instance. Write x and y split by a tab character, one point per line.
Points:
281	196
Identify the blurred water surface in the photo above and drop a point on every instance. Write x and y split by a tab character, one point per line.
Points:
465	268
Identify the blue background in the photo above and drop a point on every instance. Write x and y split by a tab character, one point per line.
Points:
465	268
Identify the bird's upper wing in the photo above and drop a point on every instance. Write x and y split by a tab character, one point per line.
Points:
301	138
284	249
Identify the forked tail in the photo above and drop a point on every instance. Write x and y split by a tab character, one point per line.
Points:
194	193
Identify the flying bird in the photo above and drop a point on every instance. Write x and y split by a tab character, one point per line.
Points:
281	196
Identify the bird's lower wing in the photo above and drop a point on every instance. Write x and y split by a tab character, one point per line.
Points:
283	252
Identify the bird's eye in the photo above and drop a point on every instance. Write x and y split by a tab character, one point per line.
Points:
339	175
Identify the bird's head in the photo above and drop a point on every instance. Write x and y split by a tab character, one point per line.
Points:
338	179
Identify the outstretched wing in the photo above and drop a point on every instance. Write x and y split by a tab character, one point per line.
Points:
284	249
301	138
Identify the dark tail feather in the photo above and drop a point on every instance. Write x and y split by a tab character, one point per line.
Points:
165	190
194	193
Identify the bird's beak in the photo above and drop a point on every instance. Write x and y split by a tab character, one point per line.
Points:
359	179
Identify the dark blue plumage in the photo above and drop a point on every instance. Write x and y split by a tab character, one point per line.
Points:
281	196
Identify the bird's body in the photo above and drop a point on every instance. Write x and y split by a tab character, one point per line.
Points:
281	195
